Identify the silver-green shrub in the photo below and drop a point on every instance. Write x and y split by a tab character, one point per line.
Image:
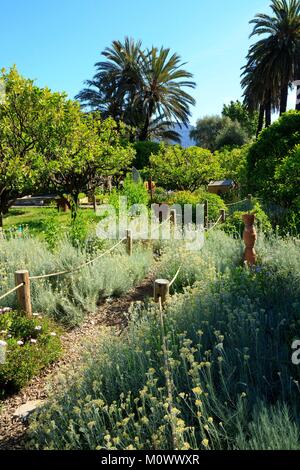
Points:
227	363
69	297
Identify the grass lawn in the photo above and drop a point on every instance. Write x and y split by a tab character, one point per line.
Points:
37	219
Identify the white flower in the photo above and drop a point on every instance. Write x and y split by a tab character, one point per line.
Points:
38	328
20	343
52	334
33	341
3	343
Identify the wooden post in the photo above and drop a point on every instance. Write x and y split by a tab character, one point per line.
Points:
94	203
23	293
150	188
129	242
206	214
161	290
223	215
160	215
173	217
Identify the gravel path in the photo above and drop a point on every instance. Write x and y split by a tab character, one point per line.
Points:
112	313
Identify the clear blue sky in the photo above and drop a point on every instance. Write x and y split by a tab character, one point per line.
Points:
57	42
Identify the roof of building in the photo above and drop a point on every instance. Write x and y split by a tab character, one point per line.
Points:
221	183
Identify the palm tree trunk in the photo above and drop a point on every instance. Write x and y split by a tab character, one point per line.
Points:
268	114
284	98
260	119
144	134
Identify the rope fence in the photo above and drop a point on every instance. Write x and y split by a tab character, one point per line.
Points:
215	224
23	279
11	291
88	263
238	202
175	277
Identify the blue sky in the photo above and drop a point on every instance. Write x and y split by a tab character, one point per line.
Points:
57	42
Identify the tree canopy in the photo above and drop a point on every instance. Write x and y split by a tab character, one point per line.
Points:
273	62
47	142
177	168
145	88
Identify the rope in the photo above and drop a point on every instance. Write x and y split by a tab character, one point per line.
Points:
175	277
215	224
11	291
235	203
160	225
46	276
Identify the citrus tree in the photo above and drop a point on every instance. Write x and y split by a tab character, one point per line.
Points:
81	150
184	169
25	110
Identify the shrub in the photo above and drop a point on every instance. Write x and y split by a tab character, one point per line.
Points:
228	353
273	145
69	298
32	344
215	203
143	152
134	191
218	254
233	164
234	223
176	168
181	198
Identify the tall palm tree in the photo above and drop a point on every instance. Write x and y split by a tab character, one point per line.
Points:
260	85
145	89
163	93
114	85
280	49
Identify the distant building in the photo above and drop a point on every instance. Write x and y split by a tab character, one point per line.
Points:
221	187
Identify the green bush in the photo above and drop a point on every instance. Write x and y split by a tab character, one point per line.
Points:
234	223
143	152
181	198
215	203
177	168
31	344
233	164
134	191
273	145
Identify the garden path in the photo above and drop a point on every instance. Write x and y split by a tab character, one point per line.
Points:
112	313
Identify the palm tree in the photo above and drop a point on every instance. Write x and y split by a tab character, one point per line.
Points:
162	94
114	85
260	85
279	51
145	89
